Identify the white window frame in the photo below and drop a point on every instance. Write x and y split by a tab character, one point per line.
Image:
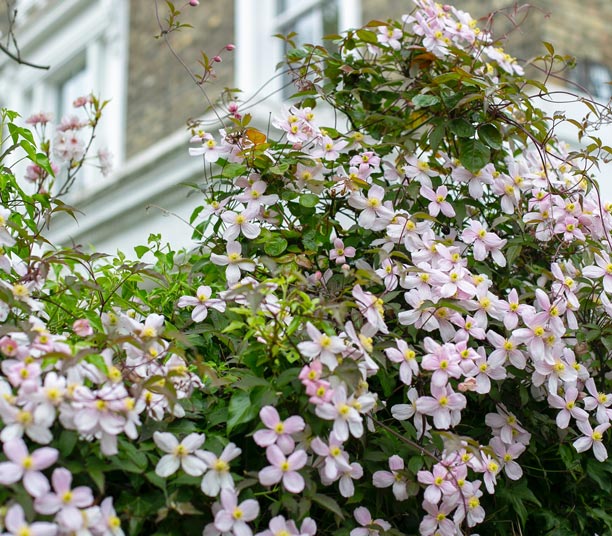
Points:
258	52
95	29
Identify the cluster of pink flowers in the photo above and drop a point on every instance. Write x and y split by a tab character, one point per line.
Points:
403	336
471	344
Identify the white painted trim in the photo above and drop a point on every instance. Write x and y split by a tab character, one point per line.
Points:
99	29
258	52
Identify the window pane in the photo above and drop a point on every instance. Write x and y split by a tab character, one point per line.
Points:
75	84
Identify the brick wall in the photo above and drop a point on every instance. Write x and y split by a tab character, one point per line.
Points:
161	96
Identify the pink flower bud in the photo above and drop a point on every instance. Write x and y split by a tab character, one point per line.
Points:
230	47
194	3
217	59
467	385
82	328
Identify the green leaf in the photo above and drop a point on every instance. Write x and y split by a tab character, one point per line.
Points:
473	154
415	464
435	137
231	171
597	472
367	36
328	503
461	128
275	246
490	135
66	443
240	410
512	253
424	101
348	371
98	476
309	200
141	250
97	361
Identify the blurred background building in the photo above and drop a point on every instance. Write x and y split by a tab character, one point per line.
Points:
108	47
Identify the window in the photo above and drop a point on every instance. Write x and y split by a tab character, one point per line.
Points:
258	52
311	21
594	77
85	43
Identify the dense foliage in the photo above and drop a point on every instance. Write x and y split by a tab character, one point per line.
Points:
397	321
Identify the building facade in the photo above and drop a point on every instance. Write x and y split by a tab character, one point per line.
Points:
110	47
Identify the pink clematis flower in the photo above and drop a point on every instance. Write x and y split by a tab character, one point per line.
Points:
241	223
335	460
340	253
179	454
395	478
568	407
371	307
218	476
234	262
346	418
602	269
369	526
284	469
444	406
233	517
438	201
593	438
407	357
202	302
26	466
278	432
484	242
16	525
438	482
63	499
325	347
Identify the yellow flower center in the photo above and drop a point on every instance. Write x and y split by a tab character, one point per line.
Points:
279	428
27	462
148	332
24	417
20	291
221	466
180	451
409	354
114	374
